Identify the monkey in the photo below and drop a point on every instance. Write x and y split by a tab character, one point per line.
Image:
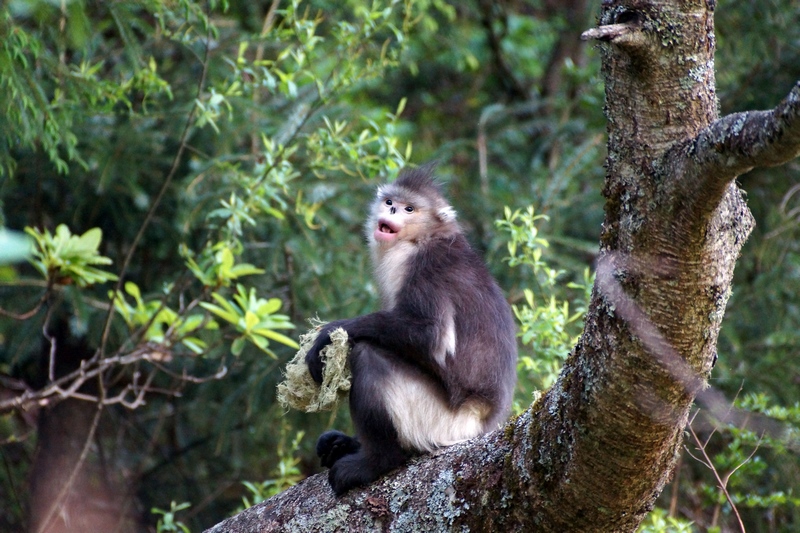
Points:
437	364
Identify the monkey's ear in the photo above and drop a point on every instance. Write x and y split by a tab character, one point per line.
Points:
446	214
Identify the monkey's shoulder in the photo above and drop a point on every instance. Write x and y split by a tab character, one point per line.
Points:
453	258
451	248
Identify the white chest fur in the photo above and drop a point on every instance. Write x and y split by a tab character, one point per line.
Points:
390	270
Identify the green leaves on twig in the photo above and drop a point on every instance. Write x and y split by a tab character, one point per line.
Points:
64	258
546	323
218	270
163	325
255	318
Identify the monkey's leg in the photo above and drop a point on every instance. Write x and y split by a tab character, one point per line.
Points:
380	449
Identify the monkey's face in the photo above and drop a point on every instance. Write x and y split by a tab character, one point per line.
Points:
397	220
403	215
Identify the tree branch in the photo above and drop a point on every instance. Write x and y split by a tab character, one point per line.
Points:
438	492
627	35
67	385
737	143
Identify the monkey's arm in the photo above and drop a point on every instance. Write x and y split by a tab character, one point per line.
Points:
408	333
443	272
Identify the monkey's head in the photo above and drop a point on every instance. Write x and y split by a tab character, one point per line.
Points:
411	210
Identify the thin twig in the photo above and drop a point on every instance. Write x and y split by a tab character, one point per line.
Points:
755	449
175	163
67	386
701	446
269	20
26	315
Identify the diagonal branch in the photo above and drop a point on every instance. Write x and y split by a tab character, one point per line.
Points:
737	143
182	145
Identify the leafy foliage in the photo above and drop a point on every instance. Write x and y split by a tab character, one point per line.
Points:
658	521
118	94
253	317
546	324
65	258
168	521
163	325
287	473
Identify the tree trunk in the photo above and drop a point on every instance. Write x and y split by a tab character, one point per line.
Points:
594	453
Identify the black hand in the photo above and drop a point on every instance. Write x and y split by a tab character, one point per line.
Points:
313	359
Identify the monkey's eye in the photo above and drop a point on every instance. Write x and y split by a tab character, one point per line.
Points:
409	209
388	202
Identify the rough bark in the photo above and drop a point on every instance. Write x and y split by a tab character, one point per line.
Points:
594	453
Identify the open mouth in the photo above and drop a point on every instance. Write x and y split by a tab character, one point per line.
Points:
385	231
383	227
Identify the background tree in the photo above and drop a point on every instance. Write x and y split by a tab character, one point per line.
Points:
292	113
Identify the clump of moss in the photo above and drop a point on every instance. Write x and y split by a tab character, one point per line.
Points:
300	391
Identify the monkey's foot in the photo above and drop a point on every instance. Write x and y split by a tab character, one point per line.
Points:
352	471
333	445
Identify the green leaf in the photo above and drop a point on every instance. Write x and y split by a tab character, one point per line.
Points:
274	335
194	344
269	307
222	301
260	341
192	322
89	242
244	269
250	320
228	316
237	346
133	289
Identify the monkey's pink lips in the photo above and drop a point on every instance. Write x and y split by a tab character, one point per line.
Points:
386	231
